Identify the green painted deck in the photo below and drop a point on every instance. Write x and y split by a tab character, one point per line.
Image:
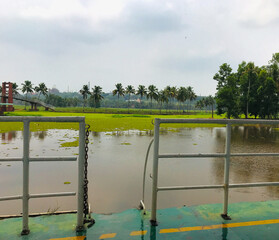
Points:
250	220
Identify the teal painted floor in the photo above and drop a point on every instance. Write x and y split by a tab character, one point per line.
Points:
250	220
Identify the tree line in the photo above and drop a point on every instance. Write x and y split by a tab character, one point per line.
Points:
162	97
251	90
141	97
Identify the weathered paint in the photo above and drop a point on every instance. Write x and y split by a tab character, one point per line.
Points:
257	220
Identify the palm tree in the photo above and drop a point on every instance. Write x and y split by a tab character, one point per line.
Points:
173	93
167	91
209	101
84	92
142	92
152	93
97	96
162	97
28	88
119	90
130	90
41	89
15	88
190	95
181	96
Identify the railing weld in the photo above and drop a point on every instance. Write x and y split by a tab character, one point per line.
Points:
11	198
52	159
189	187
261	184
42	195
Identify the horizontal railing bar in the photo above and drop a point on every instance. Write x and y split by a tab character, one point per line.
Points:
50	159
39	214
198	155
217	155
11	198
241	185
11	159
189	187
219	121
261	184
41	119
254	154
42	195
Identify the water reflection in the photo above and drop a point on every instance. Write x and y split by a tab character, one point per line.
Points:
9	136
40	135
116	162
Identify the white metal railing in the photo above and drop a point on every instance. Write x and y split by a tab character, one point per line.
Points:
226	185
26	159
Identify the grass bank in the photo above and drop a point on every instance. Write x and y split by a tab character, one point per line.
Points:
99	122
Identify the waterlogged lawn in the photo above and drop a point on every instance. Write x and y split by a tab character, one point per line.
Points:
100	122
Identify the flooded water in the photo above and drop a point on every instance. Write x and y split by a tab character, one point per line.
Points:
116	163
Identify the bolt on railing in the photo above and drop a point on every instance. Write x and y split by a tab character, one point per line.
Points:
226	185
26	160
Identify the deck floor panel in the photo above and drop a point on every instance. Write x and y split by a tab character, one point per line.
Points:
250	220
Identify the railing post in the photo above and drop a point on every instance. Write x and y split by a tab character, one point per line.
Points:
25	196
155	172
81	161
227	172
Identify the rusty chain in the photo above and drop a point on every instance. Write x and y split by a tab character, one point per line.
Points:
86	206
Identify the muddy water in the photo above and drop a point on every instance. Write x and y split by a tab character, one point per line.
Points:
116	166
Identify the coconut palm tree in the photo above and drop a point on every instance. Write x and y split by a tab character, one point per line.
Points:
181	96
142	92
162	97
130	90
167	91
41	89
119	91
152	93
84	92
15	88
173	93
190	95
97	96
28	88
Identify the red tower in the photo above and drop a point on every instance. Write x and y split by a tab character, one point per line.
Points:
7	94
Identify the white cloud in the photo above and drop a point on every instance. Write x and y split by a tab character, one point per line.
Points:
258	13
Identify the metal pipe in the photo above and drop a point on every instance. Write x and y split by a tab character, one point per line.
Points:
190	187
81	162
10	198
41	119
155	171
260	184
198	155
52	159
227	170
11	159
61	194
216	155
219	121
25	196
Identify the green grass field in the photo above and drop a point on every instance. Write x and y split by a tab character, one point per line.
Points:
99	122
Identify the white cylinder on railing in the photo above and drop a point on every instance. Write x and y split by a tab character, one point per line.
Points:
25	196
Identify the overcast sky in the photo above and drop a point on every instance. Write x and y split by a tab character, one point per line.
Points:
68	43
